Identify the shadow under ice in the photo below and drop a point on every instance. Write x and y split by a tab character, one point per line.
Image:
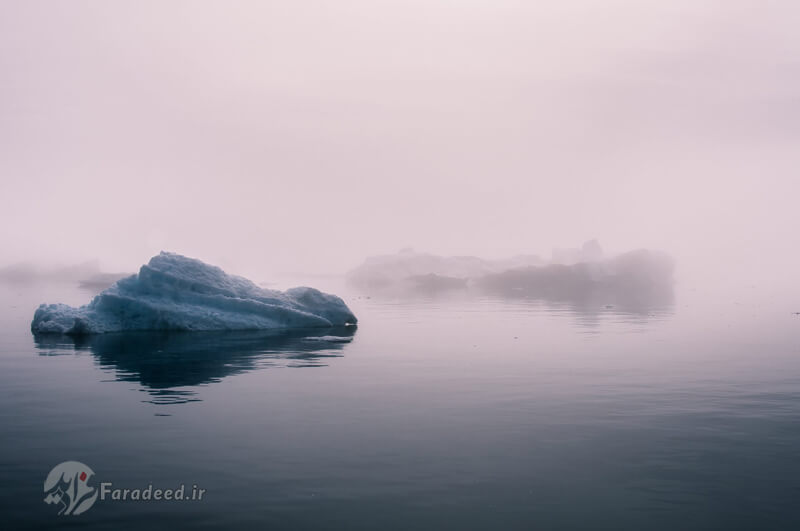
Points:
169	365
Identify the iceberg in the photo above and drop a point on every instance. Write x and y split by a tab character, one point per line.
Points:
173	292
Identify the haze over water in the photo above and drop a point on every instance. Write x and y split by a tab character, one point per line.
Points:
304	136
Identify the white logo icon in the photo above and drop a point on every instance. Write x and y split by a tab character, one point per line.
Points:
68	486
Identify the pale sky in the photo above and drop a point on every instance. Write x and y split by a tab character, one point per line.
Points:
296	135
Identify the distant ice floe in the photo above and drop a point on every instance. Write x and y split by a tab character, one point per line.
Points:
412	271
173	292
24	273
635	279
86	274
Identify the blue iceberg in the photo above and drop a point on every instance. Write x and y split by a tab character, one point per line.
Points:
173	292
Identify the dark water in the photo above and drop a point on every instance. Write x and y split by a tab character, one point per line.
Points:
480	414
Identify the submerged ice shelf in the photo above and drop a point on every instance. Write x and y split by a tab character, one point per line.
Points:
173	292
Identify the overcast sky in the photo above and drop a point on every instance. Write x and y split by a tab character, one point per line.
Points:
295	135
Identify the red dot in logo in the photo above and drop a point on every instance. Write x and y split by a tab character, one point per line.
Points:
83	476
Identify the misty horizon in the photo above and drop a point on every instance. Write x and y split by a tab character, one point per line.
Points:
306	137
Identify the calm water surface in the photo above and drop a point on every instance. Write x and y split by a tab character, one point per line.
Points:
433	414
